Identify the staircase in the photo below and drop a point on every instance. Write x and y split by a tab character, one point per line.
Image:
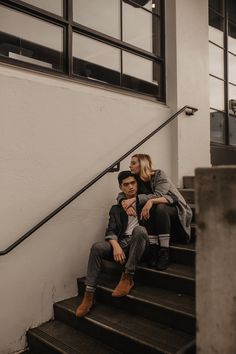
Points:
157	317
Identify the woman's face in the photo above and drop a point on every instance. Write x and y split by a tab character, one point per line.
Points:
134	165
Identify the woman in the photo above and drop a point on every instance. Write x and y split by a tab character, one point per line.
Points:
165	214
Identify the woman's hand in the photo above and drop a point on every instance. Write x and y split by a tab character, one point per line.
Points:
127	203
131	211
145	213
118	254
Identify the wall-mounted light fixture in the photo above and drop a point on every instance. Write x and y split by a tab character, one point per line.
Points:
136	3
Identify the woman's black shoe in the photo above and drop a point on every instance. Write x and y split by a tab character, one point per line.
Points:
163	260
153	255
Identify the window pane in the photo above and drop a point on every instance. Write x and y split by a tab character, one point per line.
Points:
216	93
216	56
217	126
217	5
232	68
54	6
232	130
232	38
102	15
216	36
232	10
28	39
215	20
232	92
96	60
140	28
140	74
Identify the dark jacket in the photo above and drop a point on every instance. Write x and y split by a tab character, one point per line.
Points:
118	222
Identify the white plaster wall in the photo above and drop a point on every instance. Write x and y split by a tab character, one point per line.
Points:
55	136
188	82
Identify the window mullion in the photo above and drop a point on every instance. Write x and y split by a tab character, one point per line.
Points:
226	73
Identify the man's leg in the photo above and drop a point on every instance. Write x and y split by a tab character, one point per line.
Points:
99	251
153	241
138	246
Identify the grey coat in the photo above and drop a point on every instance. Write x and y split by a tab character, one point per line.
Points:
163	187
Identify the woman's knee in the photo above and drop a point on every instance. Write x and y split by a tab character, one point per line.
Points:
161	209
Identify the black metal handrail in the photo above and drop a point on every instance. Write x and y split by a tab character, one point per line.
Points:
188	110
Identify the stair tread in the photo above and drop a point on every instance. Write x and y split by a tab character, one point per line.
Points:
187	189
188	246
170	299
175	269
69	340
139	328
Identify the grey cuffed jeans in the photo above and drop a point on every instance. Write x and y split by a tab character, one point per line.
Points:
135	248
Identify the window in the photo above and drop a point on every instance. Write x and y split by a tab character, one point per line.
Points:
222	62
110	42
42	46
53	6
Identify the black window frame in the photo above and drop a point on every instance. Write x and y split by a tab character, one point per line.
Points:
70	26
224	16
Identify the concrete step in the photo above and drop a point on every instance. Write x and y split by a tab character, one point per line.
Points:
170	308
188	181
120	330
57	337
177	277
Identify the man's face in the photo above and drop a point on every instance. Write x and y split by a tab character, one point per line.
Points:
129	187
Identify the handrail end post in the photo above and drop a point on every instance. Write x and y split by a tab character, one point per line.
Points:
189	111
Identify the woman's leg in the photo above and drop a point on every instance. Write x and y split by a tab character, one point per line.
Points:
161	218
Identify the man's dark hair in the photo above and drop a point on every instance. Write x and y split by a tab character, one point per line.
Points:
124	174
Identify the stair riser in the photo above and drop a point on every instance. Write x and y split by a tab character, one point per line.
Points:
180	321
182	256
168	282
38	347
113	338
163	280
189	195
194	213
189	182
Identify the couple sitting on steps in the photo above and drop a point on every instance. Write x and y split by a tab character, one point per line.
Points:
149	213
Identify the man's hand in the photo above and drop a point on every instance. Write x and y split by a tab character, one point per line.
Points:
145	213
118	254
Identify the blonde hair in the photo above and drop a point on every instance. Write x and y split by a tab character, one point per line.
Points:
146	170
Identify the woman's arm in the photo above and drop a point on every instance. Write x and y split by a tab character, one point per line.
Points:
145	213
161	186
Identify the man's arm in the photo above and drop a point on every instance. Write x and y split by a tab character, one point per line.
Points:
118	253
112	237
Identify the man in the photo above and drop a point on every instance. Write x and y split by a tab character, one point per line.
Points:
126	241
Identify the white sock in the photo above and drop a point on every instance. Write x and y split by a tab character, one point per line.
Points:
153	239
164	240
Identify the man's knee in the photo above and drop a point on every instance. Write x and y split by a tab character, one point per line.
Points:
139	232
98	248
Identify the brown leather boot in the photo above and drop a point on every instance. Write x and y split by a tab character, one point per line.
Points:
124	286
85	305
